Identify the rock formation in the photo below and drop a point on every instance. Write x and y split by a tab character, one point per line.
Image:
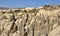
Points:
41	21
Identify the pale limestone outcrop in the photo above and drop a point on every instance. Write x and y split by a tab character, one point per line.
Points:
30	22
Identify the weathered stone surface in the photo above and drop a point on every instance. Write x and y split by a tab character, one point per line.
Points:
43	21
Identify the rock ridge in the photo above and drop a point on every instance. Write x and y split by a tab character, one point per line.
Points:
39	21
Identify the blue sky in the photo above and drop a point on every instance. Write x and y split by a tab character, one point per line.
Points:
27	3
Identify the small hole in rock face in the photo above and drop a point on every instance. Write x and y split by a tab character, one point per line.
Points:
16	28
58	16
16	11
3	12
25	10
4	17
15	19
46	34
24	30
45	21
25	34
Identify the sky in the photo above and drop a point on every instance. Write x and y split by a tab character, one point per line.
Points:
27	3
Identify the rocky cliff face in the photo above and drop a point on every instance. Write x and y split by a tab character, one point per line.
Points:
40	21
